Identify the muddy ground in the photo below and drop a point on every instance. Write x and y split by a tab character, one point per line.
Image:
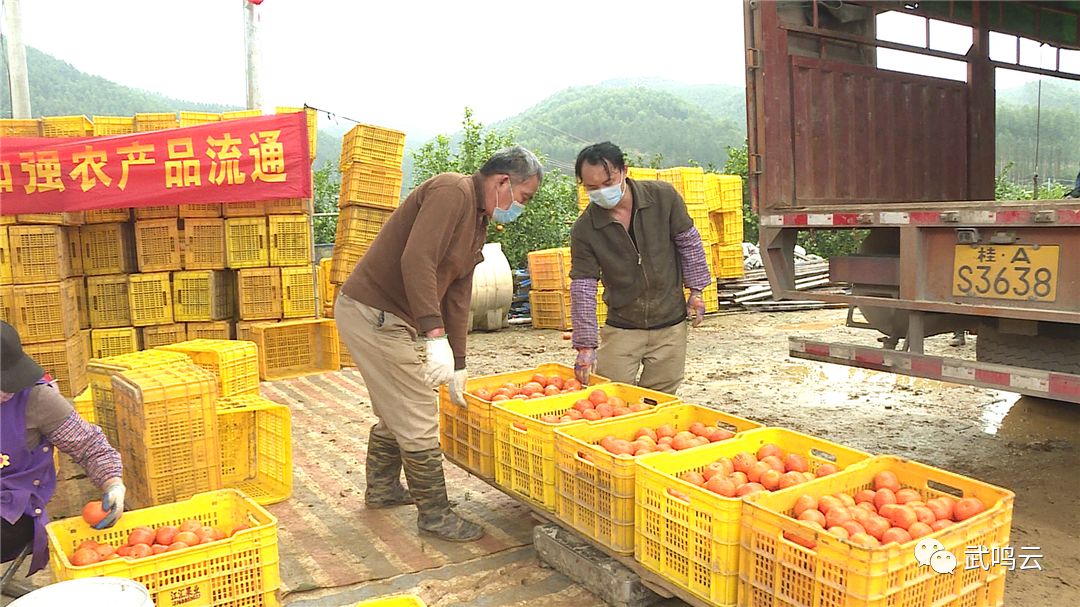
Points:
738	363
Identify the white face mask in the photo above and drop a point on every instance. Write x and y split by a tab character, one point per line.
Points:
609	197
510	214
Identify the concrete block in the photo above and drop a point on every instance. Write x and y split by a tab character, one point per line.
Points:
602	575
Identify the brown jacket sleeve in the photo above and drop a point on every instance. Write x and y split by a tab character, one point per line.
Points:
456	314
440	215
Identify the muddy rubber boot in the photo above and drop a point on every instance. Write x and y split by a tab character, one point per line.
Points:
424	471
958	339
383	471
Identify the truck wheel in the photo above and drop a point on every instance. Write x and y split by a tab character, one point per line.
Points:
1055	348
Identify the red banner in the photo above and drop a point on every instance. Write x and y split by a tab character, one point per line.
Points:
260	158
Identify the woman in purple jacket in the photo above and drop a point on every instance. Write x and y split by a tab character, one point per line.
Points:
34	418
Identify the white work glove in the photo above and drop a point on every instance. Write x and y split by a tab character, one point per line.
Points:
113	502
457	387
439	368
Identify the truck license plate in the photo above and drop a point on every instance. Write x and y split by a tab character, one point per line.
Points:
1018	272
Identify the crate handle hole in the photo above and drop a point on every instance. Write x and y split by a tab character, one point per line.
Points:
649	401
584	459
723	425
818	453
943	488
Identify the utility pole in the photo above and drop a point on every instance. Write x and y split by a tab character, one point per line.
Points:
251	52
18	81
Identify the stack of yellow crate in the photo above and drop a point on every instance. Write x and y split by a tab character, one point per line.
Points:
724	201
371	177
549	293
155	275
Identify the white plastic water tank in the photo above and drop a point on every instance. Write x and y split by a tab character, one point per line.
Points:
111	591
492	291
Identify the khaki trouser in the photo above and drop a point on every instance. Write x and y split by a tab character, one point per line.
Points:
386	353
660	355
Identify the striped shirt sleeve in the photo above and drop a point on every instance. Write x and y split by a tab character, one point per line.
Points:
87	445
583	312
691	254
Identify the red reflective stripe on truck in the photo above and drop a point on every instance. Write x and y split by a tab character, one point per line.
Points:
845	219
1013	217
817	350
799	219
1068	216
1064	386
926	367
992	377
918	217
870	356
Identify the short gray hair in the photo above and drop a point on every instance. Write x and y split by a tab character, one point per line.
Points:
517	162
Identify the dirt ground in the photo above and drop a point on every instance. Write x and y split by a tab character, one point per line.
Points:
737	363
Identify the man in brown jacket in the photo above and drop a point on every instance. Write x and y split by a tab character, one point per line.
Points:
415	284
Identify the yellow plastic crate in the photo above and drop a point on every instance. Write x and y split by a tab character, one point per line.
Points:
299	294
835	573
162	335
150	296
728	226
157	212
204	244
47	311
344	262
234	364
76	218
326	292
259	293
66	126
312	125
689	182
20	127
243	329
84	404
74	246
695	544
641	173
169	442
549	269
525	445
245	242
109	301
240	114
290	240
239	571
731	192
113	125
88	346
550	309
105	343
256	447
65	360
373	145
196	118
295	348
601	306
358	226
5	257
398	600
218	329
729	261
595	489
204	210
82	302
108	248
202	295
289	206
100	371
467	434
582	198
157	245
247	208
7	300
346	359
700	216
107	215
155	121
39	253
370	185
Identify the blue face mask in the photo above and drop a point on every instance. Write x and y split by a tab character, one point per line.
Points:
507	215
609	197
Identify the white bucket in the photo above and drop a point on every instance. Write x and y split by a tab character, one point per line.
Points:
106	591
492	291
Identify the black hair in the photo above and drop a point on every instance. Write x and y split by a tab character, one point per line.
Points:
605	153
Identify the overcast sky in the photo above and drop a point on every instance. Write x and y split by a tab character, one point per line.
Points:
406	64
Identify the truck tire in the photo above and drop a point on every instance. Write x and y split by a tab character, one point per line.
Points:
1052	350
